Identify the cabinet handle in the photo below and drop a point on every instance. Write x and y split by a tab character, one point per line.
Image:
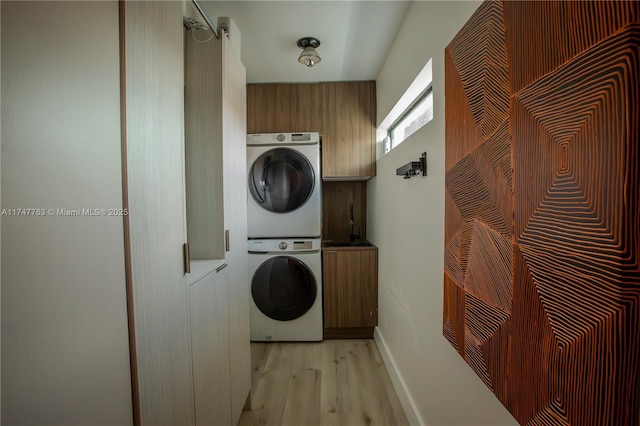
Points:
221	267
226	240
186	259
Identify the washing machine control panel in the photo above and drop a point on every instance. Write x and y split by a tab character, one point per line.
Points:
288	245
303	245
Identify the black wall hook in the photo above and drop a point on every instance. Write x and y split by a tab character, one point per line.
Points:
413	168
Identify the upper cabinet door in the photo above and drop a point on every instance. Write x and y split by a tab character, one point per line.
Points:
204	163
343	112
280	108
348	124
154	106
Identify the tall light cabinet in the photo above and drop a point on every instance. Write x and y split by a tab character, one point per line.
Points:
184	167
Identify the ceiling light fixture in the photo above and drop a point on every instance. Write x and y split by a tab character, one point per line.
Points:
309	56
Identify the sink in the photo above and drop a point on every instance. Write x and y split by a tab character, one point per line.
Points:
347	244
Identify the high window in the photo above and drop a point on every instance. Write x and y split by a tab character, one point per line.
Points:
411	112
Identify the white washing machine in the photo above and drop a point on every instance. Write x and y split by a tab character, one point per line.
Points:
283	197
286	289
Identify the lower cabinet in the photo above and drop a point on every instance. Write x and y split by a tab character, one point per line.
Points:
210	349
350	276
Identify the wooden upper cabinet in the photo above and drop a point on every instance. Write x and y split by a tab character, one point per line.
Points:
349	130
281	108
344	113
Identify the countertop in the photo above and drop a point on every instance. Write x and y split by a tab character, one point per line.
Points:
333	245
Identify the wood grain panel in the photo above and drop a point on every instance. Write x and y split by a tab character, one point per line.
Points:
543	207
579	213
457	111
454	219
568	29
479	193
155	151
210	349
496	350
133	355
348	138
453	314
330	291
453	259
203	144
343	112
489	267
482	67
234	128
276	108
350	287
336	197
533	362
349	333
482	320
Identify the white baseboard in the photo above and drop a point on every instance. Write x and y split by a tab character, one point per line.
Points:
408	404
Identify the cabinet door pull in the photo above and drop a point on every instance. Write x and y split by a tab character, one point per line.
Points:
186	259
221	267
226	240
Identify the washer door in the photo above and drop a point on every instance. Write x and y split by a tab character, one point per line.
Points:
283	288
281	180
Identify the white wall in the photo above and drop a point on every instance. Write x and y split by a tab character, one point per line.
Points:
65	356
406	221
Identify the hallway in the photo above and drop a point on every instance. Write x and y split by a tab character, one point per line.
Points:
334	382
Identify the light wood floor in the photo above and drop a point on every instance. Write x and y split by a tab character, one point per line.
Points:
335	382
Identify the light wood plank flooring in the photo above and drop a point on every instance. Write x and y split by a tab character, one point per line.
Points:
335	382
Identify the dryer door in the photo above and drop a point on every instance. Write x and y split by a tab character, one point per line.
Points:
283	288
281	180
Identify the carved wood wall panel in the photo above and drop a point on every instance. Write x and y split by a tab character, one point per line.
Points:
542	228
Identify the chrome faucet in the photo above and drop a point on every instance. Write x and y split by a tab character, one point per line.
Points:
352	235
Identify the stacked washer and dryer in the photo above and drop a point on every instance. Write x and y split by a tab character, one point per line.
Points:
284	228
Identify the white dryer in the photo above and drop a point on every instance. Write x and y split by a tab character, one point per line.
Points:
286	289
284	190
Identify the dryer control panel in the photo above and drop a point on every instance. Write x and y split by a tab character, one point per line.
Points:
306	138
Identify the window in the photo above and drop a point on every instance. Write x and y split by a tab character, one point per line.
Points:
416	116
411	112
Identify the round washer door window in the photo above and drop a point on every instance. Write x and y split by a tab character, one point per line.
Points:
283	288
281	180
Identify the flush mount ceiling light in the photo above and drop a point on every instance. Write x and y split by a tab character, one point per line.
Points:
309	56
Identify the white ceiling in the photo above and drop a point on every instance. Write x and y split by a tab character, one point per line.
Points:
355	37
